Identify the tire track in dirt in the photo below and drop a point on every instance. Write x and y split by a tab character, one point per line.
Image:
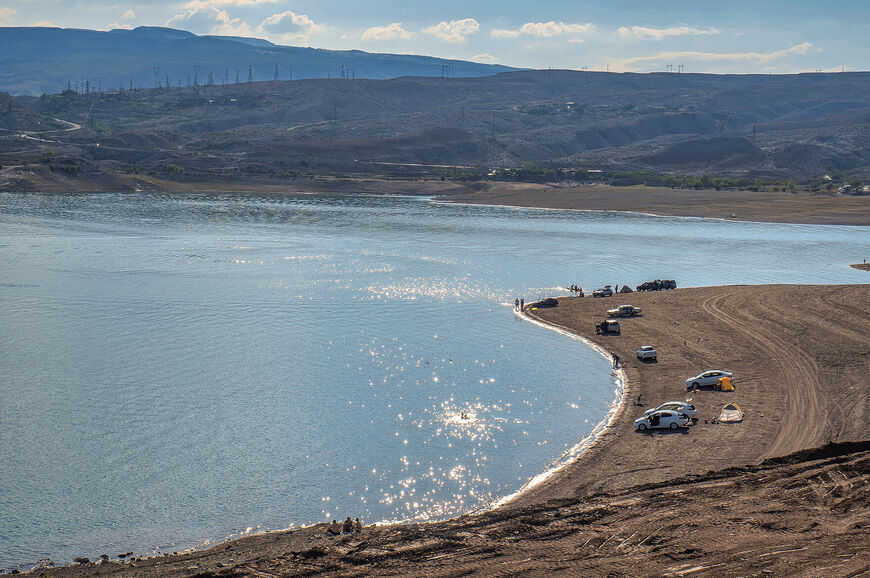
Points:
804	421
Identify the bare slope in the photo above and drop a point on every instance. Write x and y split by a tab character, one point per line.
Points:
799	127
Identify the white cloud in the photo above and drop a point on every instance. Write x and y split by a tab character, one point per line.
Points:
484	58
45	24
504	33
209	19
545	30
456	31
129	15
643	33
290	26
119	26
638	62
389	32
6	16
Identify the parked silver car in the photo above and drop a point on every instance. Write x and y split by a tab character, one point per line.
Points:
710	377
646	352
661	419
683	407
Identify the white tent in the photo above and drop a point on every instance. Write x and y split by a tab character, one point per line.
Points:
731	413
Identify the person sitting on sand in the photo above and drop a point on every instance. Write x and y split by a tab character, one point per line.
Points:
333	529
357	526
347	527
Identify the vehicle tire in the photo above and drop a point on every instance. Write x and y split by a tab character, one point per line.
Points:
674	425
696	385
641	427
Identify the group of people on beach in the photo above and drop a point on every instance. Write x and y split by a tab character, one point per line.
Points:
348	527
519	304
575	289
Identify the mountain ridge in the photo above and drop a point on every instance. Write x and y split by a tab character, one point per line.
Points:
42	60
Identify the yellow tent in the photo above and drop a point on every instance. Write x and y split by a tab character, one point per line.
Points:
731	413
725	384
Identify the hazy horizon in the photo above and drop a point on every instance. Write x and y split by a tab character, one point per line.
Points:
767	36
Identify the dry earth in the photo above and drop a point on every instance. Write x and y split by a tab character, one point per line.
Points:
709	500
773	207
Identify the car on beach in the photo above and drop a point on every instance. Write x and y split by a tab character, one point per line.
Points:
624	311
605	291
607	326
683	407
710	377
647	352
664	419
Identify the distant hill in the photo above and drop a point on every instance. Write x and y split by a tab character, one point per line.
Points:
800	127
47	60
713	153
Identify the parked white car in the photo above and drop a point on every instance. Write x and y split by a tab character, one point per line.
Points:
646	352
661	419
683	407
710	377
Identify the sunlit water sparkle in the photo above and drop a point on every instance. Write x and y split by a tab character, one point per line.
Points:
181	368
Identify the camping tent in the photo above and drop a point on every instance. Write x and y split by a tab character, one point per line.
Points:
725	384
626	289
731	413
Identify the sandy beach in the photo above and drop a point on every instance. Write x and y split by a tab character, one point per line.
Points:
709	499
771	207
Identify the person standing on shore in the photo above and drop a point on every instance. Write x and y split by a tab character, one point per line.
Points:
615	361
522	303
517	304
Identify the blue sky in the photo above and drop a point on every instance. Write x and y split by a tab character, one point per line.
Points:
620	35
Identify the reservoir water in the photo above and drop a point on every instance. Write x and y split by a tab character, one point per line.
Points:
177	369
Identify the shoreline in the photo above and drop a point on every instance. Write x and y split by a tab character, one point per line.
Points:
572	454
622	487
728	205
